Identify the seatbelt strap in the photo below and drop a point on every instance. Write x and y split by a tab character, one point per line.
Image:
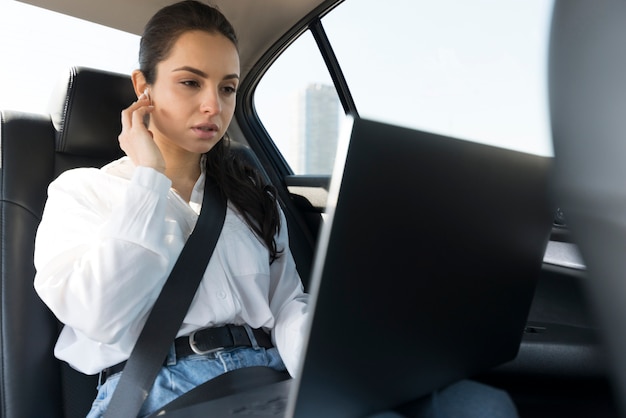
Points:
227	384
170	308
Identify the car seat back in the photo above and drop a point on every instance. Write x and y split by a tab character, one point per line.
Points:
587	86
81	130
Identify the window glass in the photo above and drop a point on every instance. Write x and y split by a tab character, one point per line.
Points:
39	46
474	69
299	106
471	69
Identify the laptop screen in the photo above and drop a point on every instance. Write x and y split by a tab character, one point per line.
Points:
425	267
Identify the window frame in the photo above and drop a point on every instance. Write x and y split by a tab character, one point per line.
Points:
247	117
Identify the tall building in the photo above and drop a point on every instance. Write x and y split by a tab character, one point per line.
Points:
317	129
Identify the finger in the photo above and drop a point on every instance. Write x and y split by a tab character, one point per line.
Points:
127	113
139	114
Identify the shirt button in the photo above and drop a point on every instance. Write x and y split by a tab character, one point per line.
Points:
221	294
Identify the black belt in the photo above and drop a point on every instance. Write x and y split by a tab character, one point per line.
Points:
206	341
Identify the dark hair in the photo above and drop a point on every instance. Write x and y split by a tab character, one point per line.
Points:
242	184
164	28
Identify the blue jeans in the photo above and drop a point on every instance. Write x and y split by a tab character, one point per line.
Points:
182	375
463	399
466	399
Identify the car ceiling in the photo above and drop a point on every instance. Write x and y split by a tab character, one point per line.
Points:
259	24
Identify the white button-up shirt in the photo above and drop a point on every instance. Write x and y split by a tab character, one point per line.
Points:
107	242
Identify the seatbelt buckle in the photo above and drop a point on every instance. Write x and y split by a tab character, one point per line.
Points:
195	349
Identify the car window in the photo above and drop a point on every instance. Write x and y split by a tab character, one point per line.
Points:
39	46
300	109
434	66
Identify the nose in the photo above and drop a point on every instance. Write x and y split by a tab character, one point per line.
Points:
211	102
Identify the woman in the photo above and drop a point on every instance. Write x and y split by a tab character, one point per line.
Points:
109	237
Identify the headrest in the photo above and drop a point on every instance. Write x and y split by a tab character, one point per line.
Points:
85	110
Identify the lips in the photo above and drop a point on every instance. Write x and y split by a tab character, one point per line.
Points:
205	130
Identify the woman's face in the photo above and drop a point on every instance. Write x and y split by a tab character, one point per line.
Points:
194	92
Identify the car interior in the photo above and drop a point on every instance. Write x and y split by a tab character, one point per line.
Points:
563	367
586	108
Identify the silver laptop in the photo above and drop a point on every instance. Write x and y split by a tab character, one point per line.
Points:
424	273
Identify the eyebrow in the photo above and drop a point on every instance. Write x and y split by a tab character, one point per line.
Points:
202	73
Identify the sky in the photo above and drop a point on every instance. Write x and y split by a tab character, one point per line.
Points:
463	77
471	69
38	46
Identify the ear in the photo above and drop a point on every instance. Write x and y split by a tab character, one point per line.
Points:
139	82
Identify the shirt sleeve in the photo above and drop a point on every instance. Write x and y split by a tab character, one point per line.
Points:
100	262
290	302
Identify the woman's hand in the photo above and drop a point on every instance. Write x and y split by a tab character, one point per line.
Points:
136	140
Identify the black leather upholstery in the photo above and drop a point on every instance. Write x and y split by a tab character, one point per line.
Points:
28	330
81	130
85	111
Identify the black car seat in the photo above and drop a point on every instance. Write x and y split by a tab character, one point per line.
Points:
81	130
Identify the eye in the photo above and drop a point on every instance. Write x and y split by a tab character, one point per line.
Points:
190	83
228	90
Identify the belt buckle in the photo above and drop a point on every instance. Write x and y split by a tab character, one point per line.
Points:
195	349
